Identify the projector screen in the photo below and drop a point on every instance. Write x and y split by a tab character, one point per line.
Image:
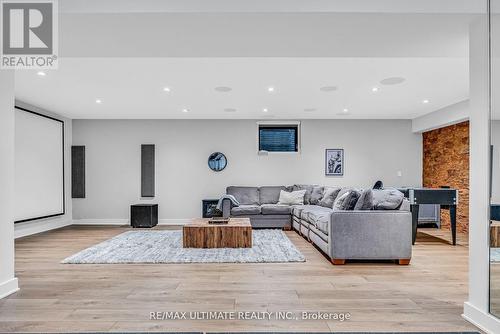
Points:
39	166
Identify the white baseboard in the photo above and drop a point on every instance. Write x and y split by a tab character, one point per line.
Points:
8	287
172	221
34	227
484	321
100	221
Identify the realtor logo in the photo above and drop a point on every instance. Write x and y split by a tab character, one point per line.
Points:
29	34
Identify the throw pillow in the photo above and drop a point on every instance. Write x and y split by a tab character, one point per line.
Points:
329	196
365	201
387	199
316	195
292	198
347	201
308	188
340	202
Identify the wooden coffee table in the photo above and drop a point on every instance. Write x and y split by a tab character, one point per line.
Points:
200	234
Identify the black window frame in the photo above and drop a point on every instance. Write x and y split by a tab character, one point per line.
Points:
295	127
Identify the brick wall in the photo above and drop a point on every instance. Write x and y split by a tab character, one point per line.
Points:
446	163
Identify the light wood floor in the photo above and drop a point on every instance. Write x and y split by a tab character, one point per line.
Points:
428	295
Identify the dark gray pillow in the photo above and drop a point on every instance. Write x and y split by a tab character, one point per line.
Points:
387	199
316	195
365	201
329	196
308	188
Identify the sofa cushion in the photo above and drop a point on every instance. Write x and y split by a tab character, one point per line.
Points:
270	194
365	201
244	195
297	210
308	188
318	216
292	198
316	195
275	209
387	199
244	210
329	196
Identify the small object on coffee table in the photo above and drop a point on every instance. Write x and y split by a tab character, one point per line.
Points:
218	220
237	233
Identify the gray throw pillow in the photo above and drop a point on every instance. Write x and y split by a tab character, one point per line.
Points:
387	199
316	195
308	188
340	202
329	196
347	201
365	201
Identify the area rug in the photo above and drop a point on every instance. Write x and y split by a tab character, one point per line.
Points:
495	254
269	246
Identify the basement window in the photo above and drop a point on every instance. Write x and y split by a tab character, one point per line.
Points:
279	137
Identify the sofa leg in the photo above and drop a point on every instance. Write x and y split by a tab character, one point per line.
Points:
287	228
338	262
404	262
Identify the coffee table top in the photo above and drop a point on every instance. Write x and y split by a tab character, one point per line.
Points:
233	222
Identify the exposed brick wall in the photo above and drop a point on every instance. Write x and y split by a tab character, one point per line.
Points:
446	163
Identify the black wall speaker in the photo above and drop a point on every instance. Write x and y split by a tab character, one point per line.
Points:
78	171
147	170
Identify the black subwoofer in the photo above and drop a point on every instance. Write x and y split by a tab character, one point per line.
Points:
144	215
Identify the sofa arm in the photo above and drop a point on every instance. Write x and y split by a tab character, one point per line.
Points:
226	207
370	235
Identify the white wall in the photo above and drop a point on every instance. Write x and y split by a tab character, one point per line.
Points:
41	225
373	150
446	116
8	283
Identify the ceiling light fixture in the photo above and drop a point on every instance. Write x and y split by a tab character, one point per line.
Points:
41	73
166	89
223	89
265	110
98	101
375	89
230	110
185	110
328	89
392	81
270	89
345	110
425	101
310	109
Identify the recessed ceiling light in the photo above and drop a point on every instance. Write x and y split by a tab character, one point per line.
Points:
166	89
375	89
270	89
345	110
310	109
185	110
392	81
328	89
41	73
425	101
230	110
98	101
223	89
265	110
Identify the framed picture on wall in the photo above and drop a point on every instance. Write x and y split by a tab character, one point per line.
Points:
334	162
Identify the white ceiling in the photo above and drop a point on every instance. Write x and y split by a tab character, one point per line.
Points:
133	87
124	54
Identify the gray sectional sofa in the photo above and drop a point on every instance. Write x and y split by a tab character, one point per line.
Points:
369	234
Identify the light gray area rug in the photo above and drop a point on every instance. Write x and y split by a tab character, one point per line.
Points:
166	247
495	254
